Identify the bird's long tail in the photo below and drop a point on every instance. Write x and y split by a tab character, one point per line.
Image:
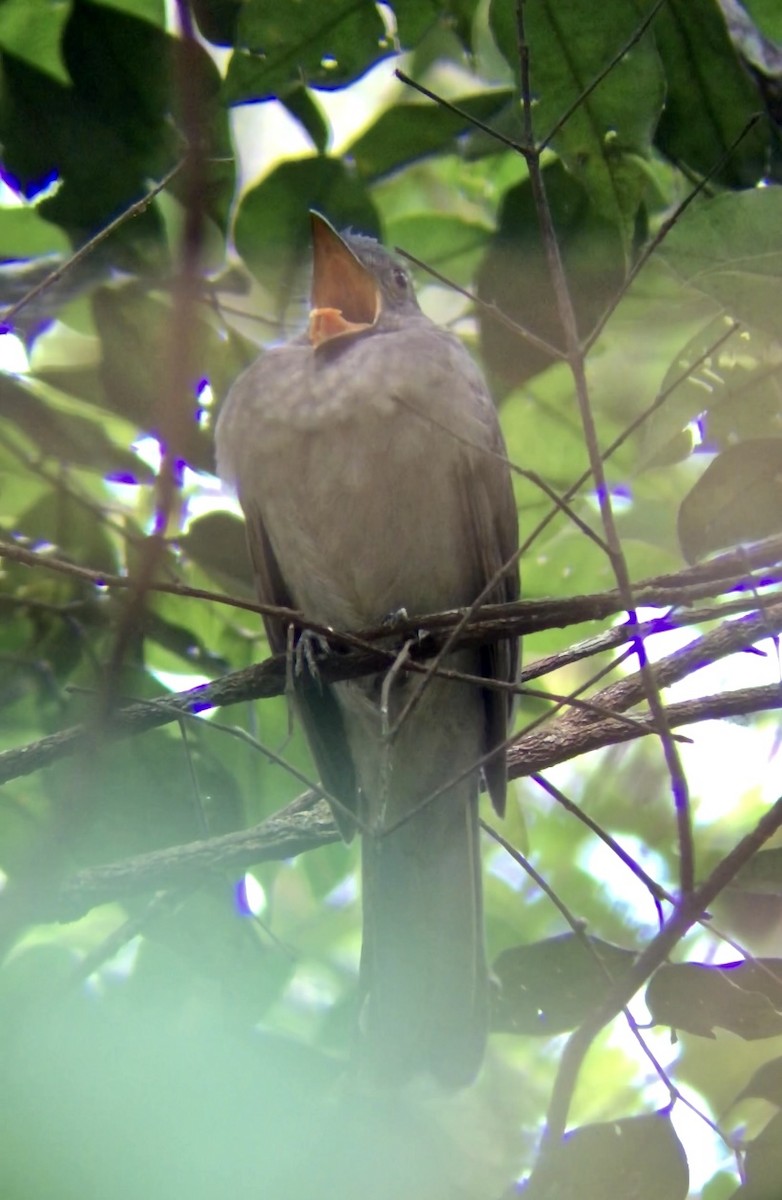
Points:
423	961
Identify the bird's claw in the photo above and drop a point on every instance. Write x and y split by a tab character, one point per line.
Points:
393	619
308	649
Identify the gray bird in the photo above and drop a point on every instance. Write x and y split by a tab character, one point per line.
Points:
371	469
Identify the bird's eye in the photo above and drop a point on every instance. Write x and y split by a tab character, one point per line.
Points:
400	279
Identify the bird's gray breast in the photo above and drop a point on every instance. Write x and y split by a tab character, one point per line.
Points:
355	458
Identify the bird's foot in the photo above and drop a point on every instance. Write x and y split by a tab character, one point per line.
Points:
393	619
307	650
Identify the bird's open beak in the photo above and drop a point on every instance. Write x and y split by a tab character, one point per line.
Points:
345	296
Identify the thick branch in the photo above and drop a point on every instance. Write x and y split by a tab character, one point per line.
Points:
493	622
306	823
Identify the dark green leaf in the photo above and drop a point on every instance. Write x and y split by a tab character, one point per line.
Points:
272	224
130	803
181	642
570	44
766	1083
763	1164
415	18
283	42
709	98
638	1157
304	108
218	544
738	498
218	20
743	997
120	106
548	987
117	106
407	132
515	276
763	873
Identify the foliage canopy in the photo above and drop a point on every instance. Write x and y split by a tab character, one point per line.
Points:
590	194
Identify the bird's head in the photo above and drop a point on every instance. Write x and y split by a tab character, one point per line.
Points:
357	285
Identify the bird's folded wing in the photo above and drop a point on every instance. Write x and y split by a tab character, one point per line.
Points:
315	701
491	522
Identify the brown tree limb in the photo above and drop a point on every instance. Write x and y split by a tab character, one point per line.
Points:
307	824
268	678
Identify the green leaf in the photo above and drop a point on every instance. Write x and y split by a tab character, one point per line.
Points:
735	391
637	1156
25	234
272	224
304	108
408	132
743	997
515	273
460	14
767	15
548	987
179	641
448	243
32	31
765	1083
738	498
709	97
217	542
415	18
134	330
72	528
66	437
218	19
612	128
721	1186
283	42
763	873
763	1163
729	247
118	105
153	11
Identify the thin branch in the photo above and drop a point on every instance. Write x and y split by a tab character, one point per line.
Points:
173	413
441	102
720	574
304	825
268	678
486	306
616	556
615	59
84	251
688	912
666	228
